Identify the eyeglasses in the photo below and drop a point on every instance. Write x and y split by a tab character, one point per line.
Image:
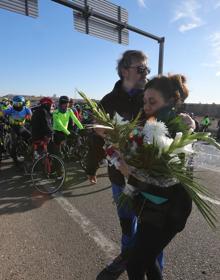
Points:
141	69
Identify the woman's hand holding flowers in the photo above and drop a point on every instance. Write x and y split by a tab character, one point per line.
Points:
188	120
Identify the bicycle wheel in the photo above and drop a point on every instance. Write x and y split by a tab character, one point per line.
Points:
22	148
48	174
7	143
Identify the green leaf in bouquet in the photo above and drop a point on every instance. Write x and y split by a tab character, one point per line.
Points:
98	113
205	136
119	135
196	191
177	124
144	157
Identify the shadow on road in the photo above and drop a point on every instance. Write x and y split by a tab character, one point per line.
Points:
70	194
18	195
16	191
77	180
105	275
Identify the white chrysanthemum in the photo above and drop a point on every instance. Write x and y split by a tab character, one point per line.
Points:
152	131
156	132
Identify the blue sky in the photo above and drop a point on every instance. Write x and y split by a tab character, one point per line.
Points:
46	56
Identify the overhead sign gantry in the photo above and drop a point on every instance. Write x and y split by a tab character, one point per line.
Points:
98	18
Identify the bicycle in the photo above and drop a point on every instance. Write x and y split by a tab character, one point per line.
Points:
76	147
14	145
5	140
48	171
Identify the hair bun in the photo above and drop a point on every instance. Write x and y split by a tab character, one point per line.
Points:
183	79
179	84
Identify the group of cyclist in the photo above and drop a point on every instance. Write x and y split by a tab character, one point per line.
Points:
44	123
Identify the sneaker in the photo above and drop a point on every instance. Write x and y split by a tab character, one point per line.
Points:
118	265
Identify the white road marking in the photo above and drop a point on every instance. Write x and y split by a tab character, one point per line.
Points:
213	169
108	247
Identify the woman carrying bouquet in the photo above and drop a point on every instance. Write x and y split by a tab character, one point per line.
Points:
162	210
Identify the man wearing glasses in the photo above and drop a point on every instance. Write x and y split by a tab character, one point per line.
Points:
126	99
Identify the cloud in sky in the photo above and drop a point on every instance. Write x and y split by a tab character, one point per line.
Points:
141	3
188	13
208	65
217	4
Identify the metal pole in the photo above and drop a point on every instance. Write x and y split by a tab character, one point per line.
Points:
86	16
161	55
119	19
26	8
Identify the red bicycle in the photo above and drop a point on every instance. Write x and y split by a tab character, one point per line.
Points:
48	170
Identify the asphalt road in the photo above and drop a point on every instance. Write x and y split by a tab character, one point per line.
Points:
74	234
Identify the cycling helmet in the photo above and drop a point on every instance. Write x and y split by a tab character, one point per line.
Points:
46	100
18	101
63	100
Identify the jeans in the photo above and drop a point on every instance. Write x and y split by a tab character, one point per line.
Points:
128	222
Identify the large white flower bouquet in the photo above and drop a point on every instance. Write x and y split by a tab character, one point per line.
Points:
154	156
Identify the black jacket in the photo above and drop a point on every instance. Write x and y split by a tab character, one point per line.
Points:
174	212
41	124
128	107
118	100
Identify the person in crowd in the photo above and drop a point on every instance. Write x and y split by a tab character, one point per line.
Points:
72	106
218	131
72	127
172	205
28	103
41	122
5	104
87	117
18	114
61	118
126	99
205	123
78	111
